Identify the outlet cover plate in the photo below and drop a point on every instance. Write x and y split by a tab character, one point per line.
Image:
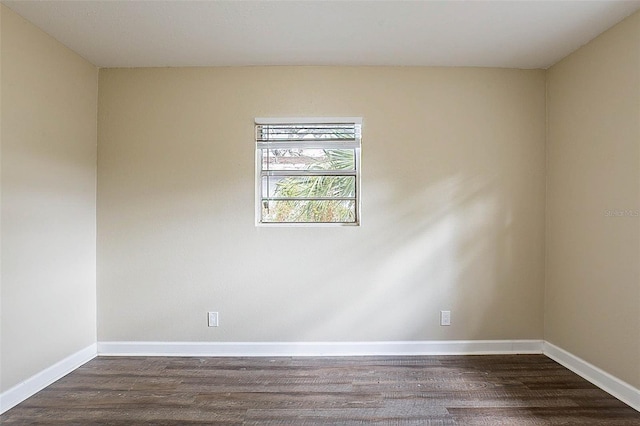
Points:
445	317
212	319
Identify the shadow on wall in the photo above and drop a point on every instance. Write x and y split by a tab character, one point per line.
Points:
448	247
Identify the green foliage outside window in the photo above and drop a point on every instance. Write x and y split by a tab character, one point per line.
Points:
308	208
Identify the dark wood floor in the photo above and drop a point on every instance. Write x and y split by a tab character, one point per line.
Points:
425	390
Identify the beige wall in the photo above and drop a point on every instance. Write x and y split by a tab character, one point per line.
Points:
49	98
593	154
452	207
1	9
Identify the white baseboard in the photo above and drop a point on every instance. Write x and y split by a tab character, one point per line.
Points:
41	380
605	381
444	347
616	387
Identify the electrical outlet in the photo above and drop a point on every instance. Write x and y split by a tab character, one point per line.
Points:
212	318
445	317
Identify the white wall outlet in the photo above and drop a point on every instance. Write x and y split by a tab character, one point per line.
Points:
212	319
445	317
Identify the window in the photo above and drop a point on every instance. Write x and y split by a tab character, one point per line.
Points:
308	171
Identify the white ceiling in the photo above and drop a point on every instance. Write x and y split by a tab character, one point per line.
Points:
512	34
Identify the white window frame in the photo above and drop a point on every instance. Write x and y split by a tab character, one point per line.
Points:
356	145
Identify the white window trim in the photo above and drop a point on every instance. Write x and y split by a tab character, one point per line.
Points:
258	172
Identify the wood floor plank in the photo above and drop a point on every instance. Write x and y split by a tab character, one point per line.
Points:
395	390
